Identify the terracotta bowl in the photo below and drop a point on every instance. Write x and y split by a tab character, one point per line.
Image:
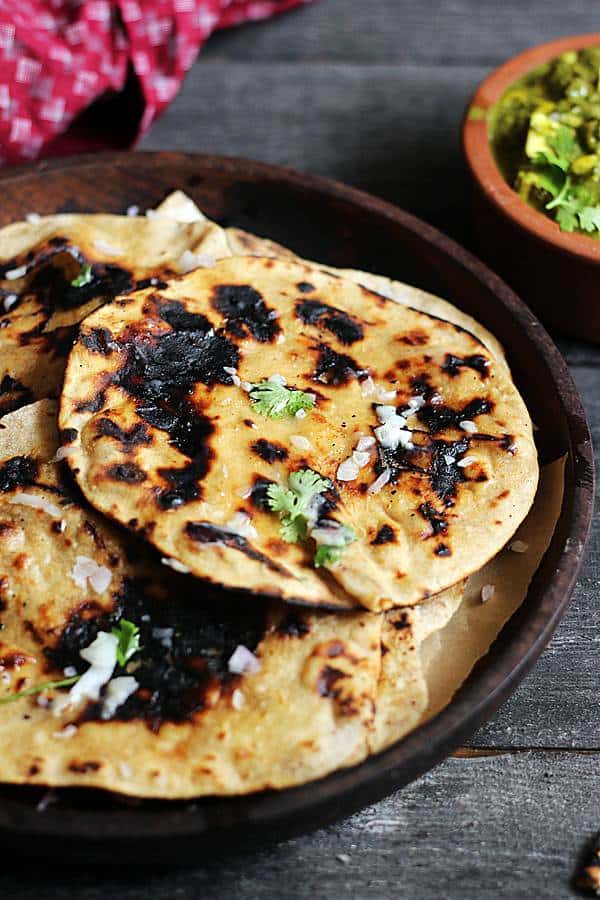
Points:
555	272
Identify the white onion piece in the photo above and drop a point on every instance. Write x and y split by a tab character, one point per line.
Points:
361	458
380	482
300	442
13	274
487	592
85	569
175	565
237	699
519	547
468	426
365	443
105	247
35	502
347	470
117	692
466	461
243	661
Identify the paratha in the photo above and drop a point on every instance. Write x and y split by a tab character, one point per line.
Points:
164	438
328	689
55	270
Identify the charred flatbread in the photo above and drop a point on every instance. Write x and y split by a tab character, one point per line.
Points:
318	691
282	430
57	269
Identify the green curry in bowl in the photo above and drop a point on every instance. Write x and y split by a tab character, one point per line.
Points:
545	136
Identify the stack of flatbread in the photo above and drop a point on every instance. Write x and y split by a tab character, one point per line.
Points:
238	492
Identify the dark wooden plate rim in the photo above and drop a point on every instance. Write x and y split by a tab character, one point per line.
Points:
174	830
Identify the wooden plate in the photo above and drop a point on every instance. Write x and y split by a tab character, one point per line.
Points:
323	220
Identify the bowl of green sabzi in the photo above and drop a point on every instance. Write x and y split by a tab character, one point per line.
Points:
531	139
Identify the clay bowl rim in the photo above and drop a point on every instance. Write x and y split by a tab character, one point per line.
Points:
482	165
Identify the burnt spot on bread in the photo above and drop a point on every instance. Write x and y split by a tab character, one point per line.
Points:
453	364
207	533
68	435
401	621
154	282
334	368
245	312
270	451
13	660
183	484
305	287
414	338
345	327
435	519
97	340
385	535
173	685
259	496
443	550
13	394
137	435
19	471
94	404
127	472
82	768
434	459
327	682
438	417
179	318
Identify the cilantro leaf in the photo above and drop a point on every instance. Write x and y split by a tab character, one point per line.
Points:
565	147
277	401
128	636
84	277
294	502
327	554
39	688
589	218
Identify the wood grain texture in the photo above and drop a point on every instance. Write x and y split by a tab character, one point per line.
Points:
482	828
373	94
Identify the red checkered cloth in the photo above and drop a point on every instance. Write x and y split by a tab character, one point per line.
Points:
80	75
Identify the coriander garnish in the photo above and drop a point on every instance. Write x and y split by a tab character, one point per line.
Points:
273	399
293	503
39	688
327	554
84	277
128	636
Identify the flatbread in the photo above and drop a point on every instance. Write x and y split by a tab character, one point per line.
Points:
162	440
326	694
40	310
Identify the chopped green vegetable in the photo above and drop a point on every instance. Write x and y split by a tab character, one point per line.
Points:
277	401
327	554
128	636
84	277
545	134
39	688
294	502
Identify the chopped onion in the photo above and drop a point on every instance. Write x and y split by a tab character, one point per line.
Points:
278	379
243	661
13	274
365	443
367	387
449	459
331	534
468	426
361	458
105	247
63	452
117	692
102	656
518	546
69	671
391	434
132	210
240	524
175	565
85	569
237	699
301	414
300	442
487	592
33	218
466	461
9	301
386	396
380	482
164	636
347	470
67	732
384	413
35	502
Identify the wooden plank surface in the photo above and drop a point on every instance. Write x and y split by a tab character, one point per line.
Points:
372	93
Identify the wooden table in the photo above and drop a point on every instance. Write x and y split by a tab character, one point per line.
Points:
372	93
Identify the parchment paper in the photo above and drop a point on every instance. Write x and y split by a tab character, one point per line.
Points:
450	653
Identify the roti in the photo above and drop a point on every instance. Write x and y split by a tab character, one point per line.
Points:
413	460
324	689
54	271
